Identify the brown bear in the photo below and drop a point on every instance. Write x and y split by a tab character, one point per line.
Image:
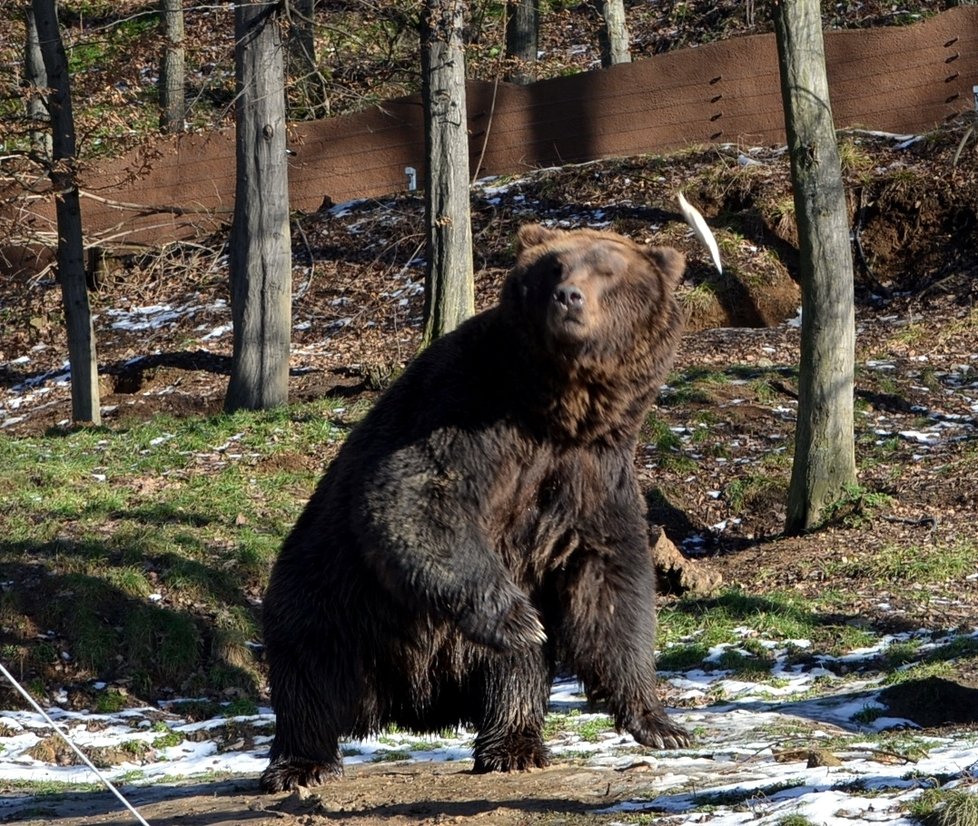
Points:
483	525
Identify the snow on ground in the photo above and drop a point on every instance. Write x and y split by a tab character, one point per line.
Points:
752	759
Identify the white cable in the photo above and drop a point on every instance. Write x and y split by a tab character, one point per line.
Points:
75	748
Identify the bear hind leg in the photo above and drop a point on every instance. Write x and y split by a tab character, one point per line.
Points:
516	689
309	717
511	751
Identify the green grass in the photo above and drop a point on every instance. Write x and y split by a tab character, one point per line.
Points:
908	565
945	807
139	545
777	616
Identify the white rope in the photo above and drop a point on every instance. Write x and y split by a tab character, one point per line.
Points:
74	748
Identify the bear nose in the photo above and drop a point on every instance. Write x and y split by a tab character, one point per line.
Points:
569	297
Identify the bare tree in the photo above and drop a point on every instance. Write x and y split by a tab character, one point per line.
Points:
308	82
71	261
36	81
449	287
824	462
173	105
522	31
261	243
613	34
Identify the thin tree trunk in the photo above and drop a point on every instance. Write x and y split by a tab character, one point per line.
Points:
173	105
261	245
449	287
824	463
310	86
37	80
522	30
613	34
71	261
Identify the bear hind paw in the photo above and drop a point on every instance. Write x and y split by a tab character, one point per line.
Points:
515	757
288	775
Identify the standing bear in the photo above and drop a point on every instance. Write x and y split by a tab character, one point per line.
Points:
483	524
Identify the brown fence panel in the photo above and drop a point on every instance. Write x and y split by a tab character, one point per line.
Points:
897	79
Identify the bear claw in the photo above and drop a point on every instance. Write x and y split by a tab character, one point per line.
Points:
657	731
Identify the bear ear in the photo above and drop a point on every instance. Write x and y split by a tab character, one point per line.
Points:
669	261
530	235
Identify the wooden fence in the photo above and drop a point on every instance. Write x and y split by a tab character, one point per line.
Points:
899	79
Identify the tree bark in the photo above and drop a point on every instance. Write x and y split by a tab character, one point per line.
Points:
308	82
71	261
824	463
173	105
613	34
522	30
36	80
261	244
449	286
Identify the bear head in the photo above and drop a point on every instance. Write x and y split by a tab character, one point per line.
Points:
592	296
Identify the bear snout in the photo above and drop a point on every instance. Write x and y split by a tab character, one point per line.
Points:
569	297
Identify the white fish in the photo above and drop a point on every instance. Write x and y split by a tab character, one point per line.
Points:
701	230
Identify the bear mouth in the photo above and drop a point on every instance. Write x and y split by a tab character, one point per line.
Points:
567	325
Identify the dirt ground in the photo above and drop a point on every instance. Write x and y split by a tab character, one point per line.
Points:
416	794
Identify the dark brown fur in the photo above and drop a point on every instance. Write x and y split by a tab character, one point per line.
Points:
483	523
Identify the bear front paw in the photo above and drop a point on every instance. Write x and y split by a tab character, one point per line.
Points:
655	730
518	627
288	775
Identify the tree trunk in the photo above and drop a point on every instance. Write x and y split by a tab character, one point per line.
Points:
522	29
173	105
261	244
613	34
71	261
824	463
449	287
36	79
307	80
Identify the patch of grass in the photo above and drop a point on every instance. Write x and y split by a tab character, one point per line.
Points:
911	564
158	564
753	489
680	657
868	714
240	707
744	665
392	756
714	620
668	445
735	797
921	671
700	298
52	787
167	737
900	654
594	729
697	386
856	506
796	820
945	807
109	702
